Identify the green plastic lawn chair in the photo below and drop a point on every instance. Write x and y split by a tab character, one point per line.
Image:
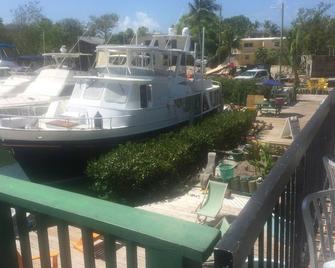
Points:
212	203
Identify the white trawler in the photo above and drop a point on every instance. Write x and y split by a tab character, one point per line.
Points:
137	89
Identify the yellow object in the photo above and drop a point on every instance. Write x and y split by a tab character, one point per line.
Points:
322	84
78	245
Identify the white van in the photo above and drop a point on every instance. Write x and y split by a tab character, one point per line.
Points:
258	74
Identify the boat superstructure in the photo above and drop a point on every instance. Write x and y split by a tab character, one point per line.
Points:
137	89
27	90
4	74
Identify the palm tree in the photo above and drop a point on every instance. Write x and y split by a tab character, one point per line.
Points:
199	6
295	51
201	11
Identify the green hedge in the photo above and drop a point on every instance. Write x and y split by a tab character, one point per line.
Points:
136	168
236	91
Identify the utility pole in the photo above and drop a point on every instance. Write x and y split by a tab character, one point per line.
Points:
281	39
220	30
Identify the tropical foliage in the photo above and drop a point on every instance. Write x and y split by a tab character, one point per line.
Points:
311	33
136	168
236	91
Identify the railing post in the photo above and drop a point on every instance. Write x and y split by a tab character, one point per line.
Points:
8	252
223	258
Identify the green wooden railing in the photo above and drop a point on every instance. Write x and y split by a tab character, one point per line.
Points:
168	242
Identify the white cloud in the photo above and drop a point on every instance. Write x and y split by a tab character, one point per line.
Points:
140	19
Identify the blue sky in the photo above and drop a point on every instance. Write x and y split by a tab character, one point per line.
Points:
160	14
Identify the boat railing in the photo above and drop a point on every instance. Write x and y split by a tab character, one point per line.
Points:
61	122
23	110
149	239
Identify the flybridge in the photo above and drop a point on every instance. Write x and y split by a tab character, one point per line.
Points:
166	41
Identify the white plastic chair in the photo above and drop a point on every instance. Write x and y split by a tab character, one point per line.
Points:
330	171
208	172
319	219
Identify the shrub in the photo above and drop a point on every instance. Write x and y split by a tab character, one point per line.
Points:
136	168
236	91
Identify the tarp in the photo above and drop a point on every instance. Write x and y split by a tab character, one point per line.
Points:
273	83
30	58
4	45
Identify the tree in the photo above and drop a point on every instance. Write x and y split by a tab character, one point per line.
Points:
261	55
28	13
295	51
270	29
142	31
3	32
24	31
70	30
315	28
234	29
123	38
267	56
202	14
102	26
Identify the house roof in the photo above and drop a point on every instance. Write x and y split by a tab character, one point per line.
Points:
261	38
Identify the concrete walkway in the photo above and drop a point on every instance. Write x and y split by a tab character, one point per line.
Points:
303	109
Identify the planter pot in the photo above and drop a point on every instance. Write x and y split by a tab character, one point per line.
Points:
237	155
235	184
227	170
252	186
258	183
244	184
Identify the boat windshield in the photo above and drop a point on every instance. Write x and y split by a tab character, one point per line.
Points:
106	90
117	59
4	72
140	59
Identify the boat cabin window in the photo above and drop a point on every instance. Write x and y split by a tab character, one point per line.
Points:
186	64
171	43
94	91
117	59
66	91
145	95
77	91
169	62
140	59
115	93
102	59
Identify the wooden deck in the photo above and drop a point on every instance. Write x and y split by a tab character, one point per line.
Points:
77	256
303	109
182	207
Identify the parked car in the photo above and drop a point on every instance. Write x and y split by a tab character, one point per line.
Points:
258	74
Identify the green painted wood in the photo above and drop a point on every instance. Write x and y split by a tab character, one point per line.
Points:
88	248
162	259
8	255
43	241
131	251
23	231
64	245
110	251
152	230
